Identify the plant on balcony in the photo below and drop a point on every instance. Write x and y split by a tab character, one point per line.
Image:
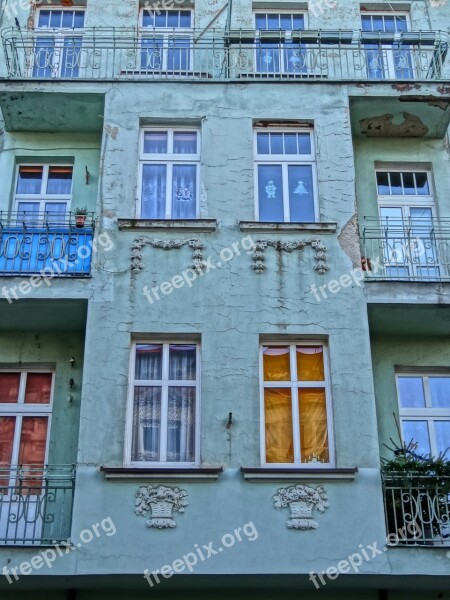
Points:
80	216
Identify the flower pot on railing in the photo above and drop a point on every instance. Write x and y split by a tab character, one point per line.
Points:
80	217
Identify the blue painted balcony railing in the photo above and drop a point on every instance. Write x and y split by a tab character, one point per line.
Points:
36	504
115	53
32	244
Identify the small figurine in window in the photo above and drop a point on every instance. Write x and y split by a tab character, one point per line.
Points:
271	189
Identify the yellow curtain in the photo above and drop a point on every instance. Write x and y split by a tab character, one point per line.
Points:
278	424
310	363
313	425
276	363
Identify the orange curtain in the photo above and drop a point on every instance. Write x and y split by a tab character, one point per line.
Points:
313	425
9	387
276	363
7	428
33	441
278	425
38	388
310	363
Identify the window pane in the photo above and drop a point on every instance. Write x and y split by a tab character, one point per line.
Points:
383	184
396	184
38	388
183	362
417	431
59	180
146	424
28	212
181	425
7	428
278	426
286	22
313	426
173	17
184	192
153	202
276	143
423	189
298	22
260	21
151	58
178	54
366	23
55	212
161	18
270	185
67	19
401	23
290	143
29	180
148	18
185	142
411	392
276	361
9	387
148	362
44	18
442	431
408	184
389	24
155	142
33	441
304	143
273	21
440	392
301	193
79	19
310	365
185	18
263	143
55	18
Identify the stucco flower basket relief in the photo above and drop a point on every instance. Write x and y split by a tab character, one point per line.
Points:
161	502
301	500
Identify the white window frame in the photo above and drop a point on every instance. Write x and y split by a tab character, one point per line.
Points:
388	51
288	33
294	386
19	410
170	159
43	198
168	34
428	413
58	34
286	160
164	383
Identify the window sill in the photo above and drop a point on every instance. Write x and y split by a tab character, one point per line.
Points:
126	474
263	474
200	225
261	227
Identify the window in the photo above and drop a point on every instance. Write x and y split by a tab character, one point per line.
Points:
43	193
279	54
164	404
170	160
406	206
387	57
295	405
285	175
166	43
424	401
58	43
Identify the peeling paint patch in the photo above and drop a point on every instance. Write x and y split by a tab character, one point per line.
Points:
405	87
384	126
112	131
349	241
443	89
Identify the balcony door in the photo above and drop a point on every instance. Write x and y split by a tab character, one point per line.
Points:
58	43
25	414
276	53
410	248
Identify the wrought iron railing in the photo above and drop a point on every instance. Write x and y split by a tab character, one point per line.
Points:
119	53
36	504
46	244
417	509
416	249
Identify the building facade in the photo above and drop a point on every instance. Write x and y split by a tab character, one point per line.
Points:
224	299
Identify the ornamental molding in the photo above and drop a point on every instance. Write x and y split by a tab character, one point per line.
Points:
319	248
137	261
162	502
301	500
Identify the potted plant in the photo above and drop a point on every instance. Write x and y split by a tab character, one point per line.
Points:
80	217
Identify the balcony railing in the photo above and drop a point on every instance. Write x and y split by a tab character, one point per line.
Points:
36	504
140	54
46	244
416	249
417	509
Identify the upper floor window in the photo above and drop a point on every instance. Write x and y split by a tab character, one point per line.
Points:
166	40
170	161
386	56
285	175
295	407
43	192
278	53
58	43
164	404
424	401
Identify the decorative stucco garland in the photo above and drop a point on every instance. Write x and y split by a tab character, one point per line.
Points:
137	263
320	253
301	500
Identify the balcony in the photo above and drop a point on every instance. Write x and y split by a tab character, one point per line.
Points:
417	509
416	250
45	244
36	504
208	55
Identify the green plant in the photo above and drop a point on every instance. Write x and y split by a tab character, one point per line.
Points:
81	211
